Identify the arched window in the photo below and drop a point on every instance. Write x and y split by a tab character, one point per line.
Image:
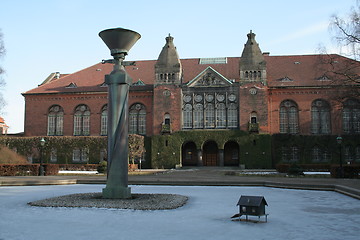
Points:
55	121
82	121
137	119
104	120
253	117
167	118
289	117
351	116
320	117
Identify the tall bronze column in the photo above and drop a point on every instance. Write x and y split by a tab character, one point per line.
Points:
119	41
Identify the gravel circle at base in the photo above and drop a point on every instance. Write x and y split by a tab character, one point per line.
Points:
95	200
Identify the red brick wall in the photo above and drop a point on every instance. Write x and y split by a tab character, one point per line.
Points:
303	98
164	103
249	103
37	107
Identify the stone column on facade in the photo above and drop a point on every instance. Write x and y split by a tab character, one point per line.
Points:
221	157
200	158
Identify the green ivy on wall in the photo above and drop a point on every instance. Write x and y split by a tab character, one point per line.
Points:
255	149
306	143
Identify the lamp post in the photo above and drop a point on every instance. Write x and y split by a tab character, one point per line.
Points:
42	144
119	41
339	141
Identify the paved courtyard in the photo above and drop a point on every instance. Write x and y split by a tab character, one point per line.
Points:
293	214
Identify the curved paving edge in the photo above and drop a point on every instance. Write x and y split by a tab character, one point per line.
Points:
32	181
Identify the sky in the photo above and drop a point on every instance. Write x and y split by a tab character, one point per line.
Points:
293	214
45	36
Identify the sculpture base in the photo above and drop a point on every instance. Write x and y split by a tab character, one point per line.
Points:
116	192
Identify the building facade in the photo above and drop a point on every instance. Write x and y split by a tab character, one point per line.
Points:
228	111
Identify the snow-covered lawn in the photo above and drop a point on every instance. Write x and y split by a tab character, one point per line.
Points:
293	214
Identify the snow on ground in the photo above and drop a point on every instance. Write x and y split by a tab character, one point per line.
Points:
293	214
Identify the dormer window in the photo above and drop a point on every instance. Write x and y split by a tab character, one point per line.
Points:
286	79
71	85
323	78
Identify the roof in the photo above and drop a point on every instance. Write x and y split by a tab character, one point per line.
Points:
282	71
253	201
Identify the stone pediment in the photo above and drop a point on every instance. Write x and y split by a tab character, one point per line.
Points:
209	78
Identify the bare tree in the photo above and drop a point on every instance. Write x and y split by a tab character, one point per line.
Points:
347	31
344	73
2	82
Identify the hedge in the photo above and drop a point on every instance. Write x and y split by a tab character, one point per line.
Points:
27	169
63	145
78	167
284	167
349	171
19	169
51	169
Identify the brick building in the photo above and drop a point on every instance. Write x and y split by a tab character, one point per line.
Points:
226	111
3	127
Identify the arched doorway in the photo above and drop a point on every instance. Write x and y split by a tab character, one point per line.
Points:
231	154
210	154
189	154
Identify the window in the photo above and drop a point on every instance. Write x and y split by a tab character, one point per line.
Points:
53	155
352	154
290	154
294	154
253	117
221	115
167	118
351	116
137	119
320	117
232	116
187	116
80	155
357	154
55	121
209	110
316	154
209	116
103	155
289	117
82	121
348	153
198	116
104	121
320	155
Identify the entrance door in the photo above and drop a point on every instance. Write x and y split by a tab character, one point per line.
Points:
189	154
210	154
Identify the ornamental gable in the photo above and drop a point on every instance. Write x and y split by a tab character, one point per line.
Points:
209	78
